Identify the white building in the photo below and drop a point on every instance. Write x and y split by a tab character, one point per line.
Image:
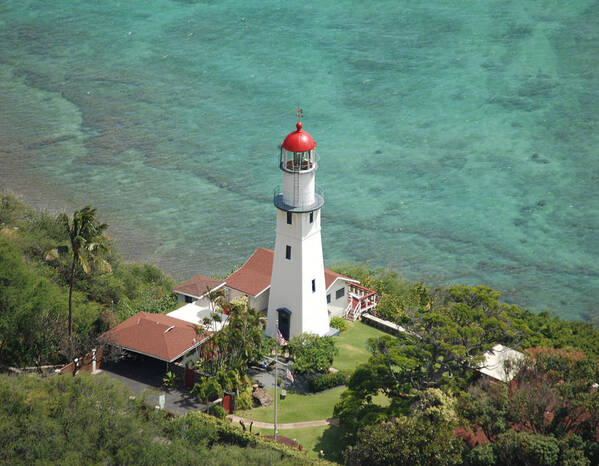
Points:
253	280
501	363
290	284
297	298
195	293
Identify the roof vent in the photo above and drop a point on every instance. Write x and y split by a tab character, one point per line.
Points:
169	329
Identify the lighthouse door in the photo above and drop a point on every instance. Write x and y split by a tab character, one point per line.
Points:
284	321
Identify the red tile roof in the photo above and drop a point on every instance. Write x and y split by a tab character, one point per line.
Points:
330	277
254	276
198	285
156	335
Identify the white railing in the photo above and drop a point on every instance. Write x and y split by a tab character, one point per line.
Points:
360	300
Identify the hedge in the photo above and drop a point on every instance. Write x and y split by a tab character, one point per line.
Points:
328	380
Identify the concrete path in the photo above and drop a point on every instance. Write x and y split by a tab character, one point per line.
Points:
287	425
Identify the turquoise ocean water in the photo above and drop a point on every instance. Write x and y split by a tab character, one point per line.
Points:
458	139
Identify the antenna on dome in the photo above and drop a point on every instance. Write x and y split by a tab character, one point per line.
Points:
299	113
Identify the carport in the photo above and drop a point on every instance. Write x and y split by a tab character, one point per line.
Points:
156	336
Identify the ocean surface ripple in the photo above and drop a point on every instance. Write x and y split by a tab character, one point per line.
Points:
458	141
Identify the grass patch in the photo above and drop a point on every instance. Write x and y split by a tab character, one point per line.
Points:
315	439
353	345
298	407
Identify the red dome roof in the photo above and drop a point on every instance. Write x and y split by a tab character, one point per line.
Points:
298	141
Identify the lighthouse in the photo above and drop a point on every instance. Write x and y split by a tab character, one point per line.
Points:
297	300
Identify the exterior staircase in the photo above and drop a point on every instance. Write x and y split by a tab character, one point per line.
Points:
359	300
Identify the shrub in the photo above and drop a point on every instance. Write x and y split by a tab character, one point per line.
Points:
329	380
482	455
169	380
311	353
339	323
228	380
213	389
245	399
207	390
217	411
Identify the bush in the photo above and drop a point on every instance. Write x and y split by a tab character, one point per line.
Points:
482	455
217	411
245	399
339	323
311	353
329	380
169	380
228	380
207	390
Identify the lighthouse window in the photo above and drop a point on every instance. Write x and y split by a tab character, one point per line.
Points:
311	217
288	252
339	293
313	286
289	218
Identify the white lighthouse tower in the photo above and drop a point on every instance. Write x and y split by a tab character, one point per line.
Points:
297	293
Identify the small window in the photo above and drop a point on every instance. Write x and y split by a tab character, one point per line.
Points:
311	217
288	253
188	299
329	298
340	293
289	218
313	286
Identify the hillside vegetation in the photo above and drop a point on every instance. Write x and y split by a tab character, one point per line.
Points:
92	420
34	291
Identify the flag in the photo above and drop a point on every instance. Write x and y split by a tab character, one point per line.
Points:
282	341
289	376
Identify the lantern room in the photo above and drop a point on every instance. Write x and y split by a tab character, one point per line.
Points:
297	151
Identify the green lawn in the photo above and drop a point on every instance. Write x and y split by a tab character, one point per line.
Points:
353	350
314	439
352	345
297	407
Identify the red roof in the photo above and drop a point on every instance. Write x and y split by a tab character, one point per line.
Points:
156	335
299	140
198	285
254	276
330	277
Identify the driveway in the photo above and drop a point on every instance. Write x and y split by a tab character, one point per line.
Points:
144	376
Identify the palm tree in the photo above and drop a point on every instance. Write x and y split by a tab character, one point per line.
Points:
86	242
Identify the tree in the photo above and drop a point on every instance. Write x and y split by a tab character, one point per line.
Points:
551	407
216	298
239	342
31	308
552	394
86	243
426	437
447	334
526	449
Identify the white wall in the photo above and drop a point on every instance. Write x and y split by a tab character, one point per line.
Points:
305	194
291	284
341	302
260	303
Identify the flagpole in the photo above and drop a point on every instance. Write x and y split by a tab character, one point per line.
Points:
276	373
